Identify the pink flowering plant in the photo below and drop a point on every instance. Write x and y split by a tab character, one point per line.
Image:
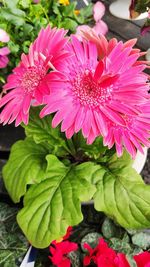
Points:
84	105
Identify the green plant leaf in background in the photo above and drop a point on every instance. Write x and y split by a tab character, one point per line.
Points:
12	13
13	244
41	131
68	11
122	194
141	5
69	24
26	165
54	204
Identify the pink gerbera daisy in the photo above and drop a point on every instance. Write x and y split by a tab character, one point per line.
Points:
100	97
28	83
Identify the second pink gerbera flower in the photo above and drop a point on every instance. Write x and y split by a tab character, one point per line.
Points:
28	83
102	97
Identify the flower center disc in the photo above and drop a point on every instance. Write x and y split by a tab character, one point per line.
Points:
89	92
32	78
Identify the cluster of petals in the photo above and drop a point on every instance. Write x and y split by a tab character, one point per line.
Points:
103	256
59	253
100	27
28	83
59	250
4	51
106	91
94	86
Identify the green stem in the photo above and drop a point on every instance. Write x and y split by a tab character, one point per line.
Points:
45	13
72	147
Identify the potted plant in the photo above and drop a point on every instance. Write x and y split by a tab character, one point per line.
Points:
120	9
85	120
136	8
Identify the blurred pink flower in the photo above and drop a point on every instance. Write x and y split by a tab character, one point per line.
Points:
100	26
102	97
3	57
79	30
29	81
4	37
98	11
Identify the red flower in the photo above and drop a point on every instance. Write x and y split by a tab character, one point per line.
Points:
103	256
143	259
59	250
59	253
68	233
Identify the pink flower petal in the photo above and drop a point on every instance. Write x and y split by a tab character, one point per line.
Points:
3	61
4	51
98	11
100	27
4	37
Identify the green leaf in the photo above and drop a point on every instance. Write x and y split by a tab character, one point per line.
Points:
13	47
13	245
36	11
69	23
142	5
12	13
26	165
68	11
54	204
94	151
122	194
24	3
87	11
120	245
141	240
41	131
15	18
55	8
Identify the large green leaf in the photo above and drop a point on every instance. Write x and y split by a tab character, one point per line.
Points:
42	131
26	165
122	194
54	204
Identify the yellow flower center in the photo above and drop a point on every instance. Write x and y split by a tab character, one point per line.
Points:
77	12
64	2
